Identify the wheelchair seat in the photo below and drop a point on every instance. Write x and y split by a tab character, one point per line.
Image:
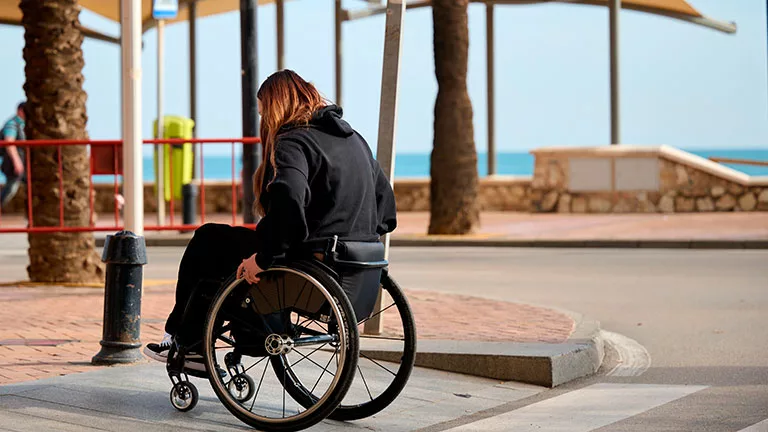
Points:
357	267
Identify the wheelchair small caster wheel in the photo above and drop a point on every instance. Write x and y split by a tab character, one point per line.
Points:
241	387
184	396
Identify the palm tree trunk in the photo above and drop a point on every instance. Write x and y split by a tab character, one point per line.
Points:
453	189
56	110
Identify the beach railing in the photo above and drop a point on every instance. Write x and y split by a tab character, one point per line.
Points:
739	161
106	161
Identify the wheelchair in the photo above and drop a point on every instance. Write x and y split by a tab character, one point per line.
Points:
300	321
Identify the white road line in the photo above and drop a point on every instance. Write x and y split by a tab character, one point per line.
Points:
757	427
585	409
634	359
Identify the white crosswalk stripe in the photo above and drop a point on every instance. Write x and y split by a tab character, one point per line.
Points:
758	427
585	409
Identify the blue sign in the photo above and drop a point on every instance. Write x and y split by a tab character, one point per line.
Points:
165	9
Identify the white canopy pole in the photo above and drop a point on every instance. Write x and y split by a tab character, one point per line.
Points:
385	153
159	148
130	44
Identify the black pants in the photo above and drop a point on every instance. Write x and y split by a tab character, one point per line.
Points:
213	254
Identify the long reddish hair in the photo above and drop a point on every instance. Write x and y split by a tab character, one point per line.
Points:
286	99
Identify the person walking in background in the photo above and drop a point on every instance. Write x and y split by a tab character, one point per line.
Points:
12	165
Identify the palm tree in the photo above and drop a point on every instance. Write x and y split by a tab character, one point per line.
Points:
453	189
56	110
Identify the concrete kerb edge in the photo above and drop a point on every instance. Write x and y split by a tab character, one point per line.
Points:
181	240
593	243
542	364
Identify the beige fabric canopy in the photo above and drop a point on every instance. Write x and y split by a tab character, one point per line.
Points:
110	9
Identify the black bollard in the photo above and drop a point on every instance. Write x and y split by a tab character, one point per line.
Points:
124	253
189	203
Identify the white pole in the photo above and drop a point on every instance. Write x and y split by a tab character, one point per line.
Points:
160	180
132	170
385	150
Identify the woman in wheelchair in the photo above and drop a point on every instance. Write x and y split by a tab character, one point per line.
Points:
317	180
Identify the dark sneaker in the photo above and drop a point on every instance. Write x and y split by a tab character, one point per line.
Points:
160	351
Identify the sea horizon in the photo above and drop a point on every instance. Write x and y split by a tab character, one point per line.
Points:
417	165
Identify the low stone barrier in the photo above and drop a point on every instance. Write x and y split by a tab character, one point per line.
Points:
608	179
630	179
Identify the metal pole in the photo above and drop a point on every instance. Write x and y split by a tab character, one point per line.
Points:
337	34
160	149
614	9
193	72
279	5
133	188
385	152
489	58
189	191
249	74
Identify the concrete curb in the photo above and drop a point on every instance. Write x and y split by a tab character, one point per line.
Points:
543	364
594	243
181	240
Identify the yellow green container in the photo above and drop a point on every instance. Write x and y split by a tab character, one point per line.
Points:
181	155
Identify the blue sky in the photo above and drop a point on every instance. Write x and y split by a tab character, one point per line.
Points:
682	84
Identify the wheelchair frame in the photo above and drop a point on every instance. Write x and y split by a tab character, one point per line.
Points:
240	387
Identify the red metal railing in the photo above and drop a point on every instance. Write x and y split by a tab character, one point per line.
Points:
106	160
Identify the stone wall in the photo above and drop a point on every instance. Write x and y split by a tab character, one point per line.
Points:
496	194
640	180
609	179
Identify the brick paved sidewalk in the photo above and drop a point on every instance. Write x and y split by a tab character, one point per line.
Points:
49	331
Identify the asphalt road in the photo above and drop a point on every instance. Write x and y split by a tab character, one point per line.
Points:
702	316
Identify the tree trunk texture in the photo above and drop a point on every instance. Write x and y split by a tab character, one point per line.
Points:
453	188
56	110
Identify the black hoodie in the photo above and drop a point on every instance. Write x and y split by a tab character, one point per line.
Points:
327	184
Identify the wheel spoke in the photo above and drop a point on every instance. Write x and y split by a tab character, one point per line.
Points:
265	297
378	364
246	370
223	338
258	388
325	369
314	362
304	357
377	313
364	382
246	323
297	299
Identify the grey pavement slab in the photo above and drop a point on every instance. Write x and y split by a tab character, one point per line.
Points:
126	398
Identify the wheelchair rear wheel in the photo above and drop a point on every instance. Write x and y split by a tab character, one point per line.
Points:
377	382
252	325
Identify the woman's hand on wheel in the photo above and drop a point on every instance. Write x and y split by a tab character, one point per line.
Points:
249	270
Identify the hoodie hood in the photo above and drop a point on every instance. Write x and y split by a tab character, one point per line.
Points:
328	119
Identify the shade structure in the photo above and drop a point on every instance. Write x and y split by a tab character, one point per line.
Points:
11	14
110	9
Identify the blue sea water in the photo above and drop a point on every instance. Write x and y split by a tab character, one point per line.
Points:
417	165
